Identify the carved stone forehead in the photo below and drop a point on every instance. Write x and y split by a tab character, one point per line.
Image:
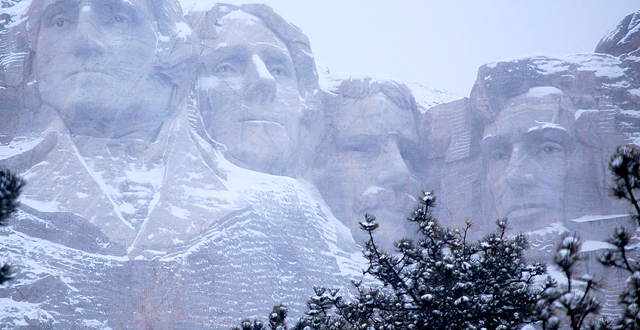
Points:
374	115
139	5
239	27
541	107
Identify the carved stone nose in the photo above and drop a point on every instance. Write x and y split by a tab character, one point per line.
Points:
519	171
395	172
260	86
88	41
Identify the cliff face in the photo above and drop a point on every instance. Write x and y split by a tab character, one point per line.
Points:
542	130
201	170
126	224
623	39
114	241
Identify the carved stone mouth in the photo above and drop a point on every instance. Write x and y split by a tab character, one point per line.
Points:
260	121
528	208
73	73
374	199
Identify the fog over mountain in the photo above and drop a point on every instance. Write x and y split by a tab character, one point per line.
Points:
186	168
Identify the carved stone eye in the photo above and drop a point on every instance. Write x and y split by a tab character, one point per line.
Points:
499	155
278	72
120	18
225	69
550	149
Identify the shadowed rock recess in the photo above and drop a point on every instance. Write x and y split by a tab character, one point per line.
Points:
187	169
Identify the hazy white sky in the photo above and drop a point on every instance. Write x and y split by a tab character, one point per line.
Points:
442	43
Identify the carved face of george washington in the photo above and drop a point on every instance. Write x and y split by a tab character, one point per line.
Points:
95	66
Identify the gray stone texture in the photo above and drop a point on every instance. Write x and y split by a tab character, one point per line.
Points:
257	83
132	217
368	157
186	172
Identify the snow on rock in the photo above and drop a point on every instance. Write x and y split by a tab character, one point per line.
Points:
543	91
16	10
623	39
544	125
236	244
170	234
588	246
332	81
427	97
587	218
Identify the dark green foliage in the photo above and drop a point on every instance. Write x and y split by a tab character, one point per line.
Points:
320	307
630	300
5	273
618	257
277	318
439	282
444	282
10	187
250	325
625	170
568	303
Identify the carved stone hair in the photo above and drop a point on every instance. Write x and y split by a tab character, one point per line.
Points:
205	23
396	92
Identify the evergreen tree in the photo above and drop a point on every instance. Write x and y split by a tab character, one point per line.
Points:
442	281
445	282
10	187
625	170
278	317
570	303
574	305
248	324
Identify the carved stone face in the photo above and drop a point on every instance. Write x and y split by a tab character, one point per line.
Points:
249	99
525	155
370	172
94	62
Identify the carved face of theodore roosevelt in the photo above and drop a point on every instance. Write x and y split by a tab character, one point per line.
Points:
375	147
94	63
525	155
249	95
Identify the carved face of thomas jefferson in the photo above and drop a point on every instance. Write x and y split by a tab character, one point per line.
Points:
249	95
94	63
525	155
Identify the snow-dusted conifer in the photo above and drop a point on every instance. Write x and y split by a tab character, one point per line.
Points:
571	304
10	187
439	282
625	169
574	305
250	325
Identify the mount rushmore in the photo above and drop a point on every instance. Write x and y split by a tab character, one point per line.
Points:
188	169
